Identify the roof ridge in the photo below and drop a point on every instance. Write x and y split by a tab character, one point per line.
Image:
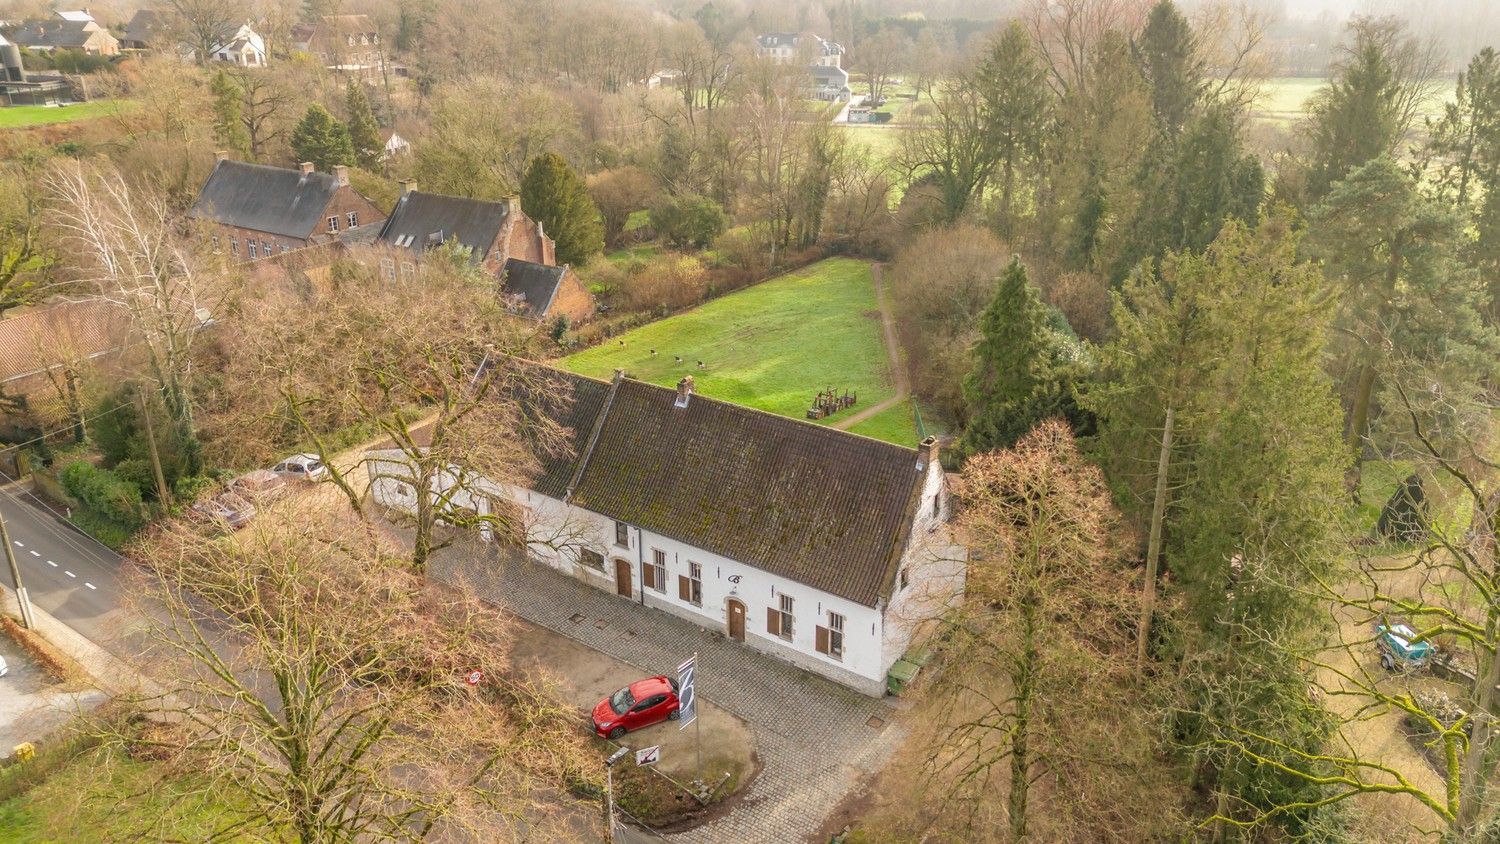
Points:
588	451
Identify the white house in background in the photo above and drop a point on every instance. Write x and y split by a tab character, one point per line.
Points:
786	47
244	47
816	546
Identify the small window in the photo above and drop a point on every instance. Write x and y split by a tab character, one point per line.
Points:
654	571
937	506
590	558
622	534
353	217
251	249
217	245
388	268
283	247
779	618
690	586
234	246
333	223
835	638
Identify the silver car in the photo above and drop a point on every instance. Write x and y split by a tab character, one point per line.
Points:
307	467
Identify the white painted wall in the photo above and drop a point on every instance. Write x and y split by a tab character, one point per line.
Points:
934	566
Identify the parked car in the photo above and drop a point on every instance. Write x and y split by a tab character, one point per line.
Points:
640	704
4	669
227	508
306	467
259	485
1397	650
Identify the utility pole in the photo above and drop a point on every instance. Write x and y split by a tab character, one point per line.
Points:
609	793
15	576
163	494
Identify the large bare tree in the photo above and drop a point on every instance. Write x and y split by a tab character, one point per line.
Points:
319	686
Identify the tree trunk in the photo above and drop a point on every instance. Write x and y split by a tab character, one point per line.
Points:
1153	545
1020	751
1359	422
422	542
1472	789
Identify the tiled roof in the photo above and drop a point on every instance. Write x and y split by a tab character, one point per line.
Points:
536	283
421	220
275	200
819	506
35	339
56	34
822	507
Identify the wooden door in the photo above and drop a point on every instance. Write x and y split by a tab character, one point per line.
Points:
736	620
622	577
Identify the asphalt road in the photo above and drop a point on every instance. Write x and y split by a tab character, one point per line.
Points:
66	572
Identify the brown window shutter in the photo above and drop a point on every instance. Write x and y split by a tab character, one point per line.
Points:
822	638
648	576
684	588
773	621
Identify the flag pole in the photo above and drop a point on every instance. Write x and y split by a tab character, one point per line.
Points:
698	717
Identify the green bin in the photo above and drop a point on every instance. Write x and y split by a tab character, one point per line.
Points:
900	676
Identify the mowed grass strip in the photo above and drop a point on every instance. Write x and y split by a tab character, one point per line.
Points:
772	346
895	424
21	116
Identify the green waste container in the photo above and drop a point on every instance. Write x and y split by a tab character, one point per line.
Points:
900	676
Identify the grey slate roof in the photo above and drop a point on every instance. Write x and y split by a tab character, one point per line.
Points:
275	200
421	220
536	283
54	34
145	26
822	507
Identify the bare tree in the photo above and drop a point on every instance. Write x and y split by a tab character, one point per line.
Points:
438	381
1045	612
203	25
319	685
878	58
128	250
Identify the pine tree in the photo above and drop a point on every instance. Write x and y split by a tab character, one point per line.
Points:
321	139
364	134
1021	373
1465	149
1404	297
1016	101
229	125
1368	106
1168	57
558	199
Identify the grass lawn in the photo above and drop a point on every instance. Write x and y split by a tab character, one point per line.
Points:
895	424
630	254
1285	98
772	346
20	116
104	796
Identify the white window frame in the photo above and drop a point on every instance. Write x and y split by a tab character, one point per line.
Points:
835	636
658	566
353	218
333	224
695	584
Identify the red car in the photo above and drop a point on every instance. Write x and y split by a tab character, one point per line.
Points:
640	704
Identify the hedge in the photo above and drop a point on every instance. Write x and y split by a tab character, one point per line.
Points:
105	492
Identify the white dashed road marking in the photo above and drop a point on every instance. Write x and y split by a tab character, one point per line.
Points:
89	585
68	573
20	544
52	564
35	554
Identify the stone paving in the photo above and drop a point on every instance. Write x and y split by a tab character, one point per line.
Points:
815	739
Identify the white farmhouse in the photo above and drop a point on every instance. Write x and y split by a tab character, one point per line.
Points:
816	546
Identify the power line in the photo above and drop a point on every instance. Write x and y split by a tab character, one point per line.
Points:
66	428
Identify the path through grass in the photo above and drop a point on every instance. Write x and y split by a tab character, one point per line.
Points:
772	346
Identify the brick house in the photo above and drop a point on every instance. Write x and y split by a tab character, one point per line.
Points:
822	548
59	34
499	236
257	211
343	43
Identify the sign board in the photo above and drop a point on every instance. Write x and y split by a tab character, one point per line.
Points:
473	677
648	755
687	693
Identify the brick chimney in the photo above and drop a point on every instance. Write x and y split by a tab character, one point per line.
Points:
684	391
221	155
408	186
341	175
305	168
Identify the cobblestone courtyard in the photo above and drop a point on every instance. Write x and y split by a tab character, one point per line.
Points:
815	739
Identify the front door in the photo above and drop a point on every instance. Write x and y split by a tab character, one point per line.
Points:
736	620
622	577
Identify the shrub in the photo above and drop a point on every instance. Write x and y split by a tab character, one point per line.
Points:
188	489
137	472
667	281
688	221
743	248
106	493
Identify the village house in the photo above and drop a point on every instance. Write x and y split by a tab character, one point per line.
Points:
239	44
822	548
257	211
499	237
787	47
60	34
342	43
